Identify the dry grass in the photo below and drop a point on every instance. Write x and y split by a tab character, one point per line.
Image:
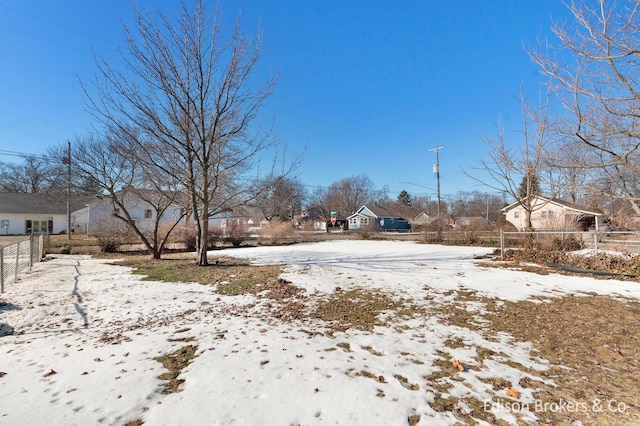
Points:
174	362
592	342
360	309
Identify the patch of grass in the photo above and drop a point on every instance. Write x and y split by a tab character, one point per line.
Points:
345	346
373	351
181	267
593	343
182	339
414	419
405	383
360	309
175	362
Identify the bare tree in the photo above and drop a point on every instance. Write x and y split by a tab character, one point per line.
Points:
36	174
281	198
593	71
130	189
188	91
346	195
516	168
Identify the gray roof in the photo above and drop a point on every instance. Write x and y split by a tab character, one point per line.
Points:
379	211
20	202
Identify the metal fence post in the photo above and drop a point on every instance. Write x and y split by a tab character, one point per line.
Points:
1	269
15	279
501	244
595	242
31	239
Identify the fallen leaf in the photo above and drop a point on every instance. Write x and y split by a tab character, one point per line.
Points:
512	392
50	373
263	330
457	364
2	374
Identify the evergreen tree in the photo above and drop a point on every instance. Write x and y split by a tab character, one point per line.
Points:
405	198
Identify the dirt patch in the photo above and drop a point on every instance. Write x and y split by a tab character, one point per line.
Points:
174	362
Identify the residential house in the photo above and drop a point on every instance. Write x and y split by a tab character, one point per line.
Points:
245	218
471	222
99	212
25	213
552	214
378	217
422	219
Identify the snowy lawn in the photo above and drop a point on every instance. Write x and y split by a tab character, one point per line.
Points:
445	341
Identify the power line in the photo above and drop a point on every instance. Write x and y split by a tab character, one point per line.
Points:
23	154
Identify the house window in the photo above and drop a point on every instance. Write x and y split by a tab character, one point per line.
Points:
29	226
147	214
516	215
4	223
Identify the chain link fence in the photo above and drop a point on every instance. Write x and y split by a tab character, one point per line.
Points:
18	257
617	241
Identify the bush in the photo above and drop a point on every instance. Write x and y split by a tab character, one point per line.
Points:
566	244
188	237
110	235
238	234
275	232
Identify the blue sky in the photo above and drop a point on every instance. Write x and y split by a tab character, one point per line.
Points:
366	87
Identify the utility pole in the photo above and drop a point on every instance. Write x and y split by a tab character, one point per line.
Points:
68	162
436	171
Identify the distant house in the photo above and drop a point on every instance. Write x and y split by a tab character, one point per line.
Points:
101	211
249	217
376	216
422	219
471	221
24	214
552	214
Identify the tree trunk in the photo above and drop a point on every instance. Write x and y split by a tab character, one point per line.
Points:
202	247
203	234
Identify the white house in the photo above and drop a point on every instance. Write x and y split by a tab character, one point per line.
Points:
100	211
552	214
24	214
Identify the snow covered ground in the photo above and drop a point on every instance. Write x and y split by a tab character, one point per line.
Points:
86	334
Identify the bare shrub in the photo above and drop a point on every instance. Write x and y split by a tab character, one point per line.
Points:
434	230
569	243
111	234
275	232
238	233
369	230
187	235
